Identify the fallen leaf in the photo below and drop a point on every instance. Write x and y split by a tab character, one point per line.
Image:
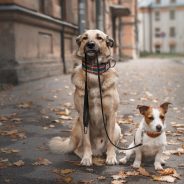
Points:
101	177
98	161
66	112
143	172
19	163
65	117
117	177
132	173
68	179
25	105
42	161
169	179
4	163
86	181
9	150
118	181
167	171
63	171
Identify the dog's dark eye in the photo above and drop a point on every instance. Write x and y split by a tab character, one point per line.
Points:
85	38
162	117
151	118
99	38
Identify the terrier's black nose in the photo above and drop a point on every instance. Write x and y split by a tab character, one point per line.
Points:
90	45
159	128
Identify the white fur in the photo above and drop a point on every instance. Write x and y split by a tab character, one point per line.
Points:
59	145
151	146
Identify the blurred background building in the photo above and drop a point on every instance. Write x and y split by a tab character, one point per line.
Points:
161	26
37	37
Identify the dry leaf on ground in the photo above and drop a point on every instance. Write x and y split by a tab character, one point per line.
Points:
86	181
65	117
142	171
98	161
42	161
169	179
68	179
101	177
62	172
19	163
25	105
118	181
9	150
167	171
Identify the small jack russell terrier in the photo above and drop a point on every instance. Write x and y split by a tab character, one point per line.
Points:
151	133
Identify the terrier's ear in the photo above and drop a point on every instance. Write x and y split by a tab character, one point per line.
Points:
78	40
143	108
109	41
165	106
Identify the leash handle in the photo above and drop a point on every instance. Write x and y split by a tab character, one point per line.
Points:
86	115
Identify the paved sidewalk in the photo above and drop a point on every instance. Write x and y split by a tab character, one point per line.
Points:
32	113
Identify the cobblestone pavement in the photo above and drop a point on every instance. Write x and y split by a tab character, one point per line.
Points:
32	113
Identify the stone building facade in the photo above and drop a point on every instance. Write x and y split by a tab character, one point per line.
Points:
161	28
37	37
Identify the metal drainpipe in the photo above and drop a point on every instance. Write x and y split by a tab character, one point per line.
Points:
63	37
82	15
99	15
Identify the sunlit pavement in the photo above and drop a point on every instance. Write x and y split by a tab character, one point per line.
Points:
32	113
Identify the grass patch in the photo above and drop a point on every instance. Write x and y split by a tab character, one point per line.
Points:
161	55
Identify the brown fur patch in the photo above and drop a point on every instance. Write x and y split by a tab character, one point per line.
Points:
148	115
162	114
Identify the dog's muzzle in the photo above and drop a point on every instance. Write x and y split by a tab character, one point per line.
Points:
91	49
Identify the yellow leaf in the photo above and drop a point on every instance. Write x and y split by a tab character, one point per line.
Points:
167	171
169	179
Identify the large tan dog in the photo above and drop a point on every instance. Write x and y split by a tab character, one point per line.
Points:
95	142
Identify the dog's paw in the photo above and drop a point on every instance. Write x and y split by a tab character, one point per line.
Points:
111	160
123	160
86	161
136	164
158	166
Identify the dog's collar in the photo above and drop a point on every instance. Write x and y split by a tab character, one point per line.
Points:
103	67
153	134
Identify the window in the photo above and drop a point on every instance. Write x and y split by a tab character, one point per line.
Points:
172	14
158	1
157	48
172	48
157	16
157	32
172	32
172	1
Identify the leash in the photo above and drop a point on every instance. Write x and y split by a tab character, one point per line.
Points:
86	116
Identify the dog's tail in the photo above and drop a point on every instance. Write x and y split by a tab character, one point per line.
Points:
60	145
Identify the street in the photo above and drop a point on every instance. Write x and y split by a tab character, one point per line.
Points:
34	112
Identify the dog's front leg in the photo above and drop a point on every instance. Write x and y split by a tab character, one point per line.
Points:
87	156
158	160
111	154
138	158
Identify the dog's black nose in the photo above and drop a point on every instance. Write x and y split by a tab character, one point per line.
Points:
159	128
90	45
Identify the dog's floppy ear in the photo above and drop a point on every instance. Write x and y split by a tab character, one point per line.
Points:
143	108
78	40
109	41
165	106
